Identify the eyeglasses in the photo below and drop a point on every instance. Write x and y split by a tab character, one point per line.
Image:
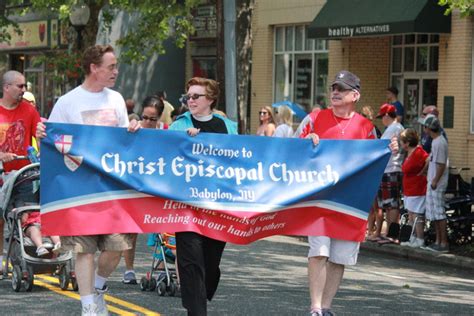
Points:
263	113
19	86
195	96
339	88
148	118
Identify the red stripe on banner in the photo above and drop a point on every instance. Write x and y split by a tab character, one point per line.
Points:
152	214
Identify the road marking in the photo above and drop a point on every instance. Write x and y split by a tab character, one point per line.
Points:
107	297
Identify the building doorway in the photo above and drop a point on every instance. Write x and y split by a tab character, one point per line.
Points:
418	91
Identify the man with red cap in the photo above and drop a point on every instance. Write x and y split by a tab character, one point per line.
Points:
389	195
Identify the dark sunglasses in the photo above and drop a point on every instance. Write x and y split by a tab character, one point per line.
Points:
20	86
262	113
148	118
339	88
187	97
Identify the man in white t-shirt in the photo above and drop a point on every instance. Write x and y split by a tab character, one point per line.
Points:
93	103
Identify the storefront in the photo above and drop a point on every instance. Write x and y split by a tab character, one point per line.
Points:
23	52
409	44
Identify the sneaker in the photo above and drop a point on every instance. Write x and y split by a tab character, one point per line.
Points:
47	245
443	249
41	251
417	243
99	301
406	244
432	247
328	313
57	247
129	277
315	313
89	310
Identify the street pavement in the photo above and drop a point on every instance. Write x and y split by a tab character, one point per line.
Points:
269	277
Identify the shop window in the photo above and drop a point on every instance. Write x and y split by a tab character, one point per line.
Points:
300	70
415	53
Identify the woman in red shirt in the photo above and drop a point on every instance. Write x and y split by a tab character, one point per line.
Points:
414	185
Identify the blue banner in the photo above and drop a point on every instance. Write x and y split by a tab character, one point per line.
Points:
103	179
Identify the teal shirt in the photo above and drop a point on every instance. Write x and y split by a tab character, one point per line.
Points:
183	122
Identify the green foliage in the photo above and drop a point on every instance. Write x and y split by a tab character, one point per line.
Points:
62	66
464	6
158	21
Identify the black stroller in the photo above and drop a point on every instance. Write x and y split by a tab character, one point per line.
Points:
20	194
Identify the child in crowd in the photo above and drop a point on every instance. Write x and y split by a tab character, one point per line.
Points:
31	224
414	185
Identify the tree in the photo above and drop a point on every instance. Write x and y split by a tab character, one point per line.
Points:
464	6
158	21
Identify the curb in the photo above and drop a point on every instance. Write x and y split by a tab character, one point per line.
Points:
420	254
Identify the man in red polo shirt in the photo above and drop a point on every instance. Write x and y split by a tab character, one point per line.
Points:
328	256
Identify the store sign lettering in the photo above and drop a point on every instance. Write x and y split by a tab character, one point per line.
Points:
346	31
34	34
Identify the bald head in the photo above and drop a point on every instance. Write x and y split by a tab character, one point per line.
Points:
11	76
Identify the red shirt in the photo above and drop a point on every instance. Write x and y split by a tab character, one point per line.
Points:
17	126
414	184
327	125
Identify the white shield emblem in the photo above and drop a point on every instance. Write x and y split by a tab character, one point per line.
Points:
72	162
63	143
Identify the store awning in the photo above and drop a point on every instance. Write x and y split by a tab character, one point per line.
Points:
361	18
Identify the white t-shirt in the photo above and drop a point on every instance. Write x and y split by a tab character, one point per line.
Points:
79	106
283	130
439	154
395	162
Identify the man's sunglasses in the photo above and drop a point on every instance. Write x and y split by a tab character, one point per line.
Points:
195	96
148	118
20	86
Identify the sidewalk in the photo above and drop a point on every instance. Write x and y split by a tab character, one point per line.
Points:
420	254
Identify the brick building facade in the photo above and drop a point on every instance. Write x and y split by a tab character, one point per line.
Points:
446	80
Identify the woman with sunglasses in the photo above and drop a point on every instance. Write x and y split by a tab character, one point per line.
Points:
267	123
199	256
152	109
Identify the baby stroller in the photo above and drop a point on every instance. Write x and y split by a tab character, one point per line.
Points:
20	194
161	276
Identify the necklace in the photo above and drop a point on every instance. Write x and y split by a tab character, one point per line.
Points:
339	125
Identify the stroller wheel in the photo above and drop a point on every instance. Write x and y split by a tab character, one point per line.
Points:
152	284
171	288
144	284
63	277
30	278
161	288
16	278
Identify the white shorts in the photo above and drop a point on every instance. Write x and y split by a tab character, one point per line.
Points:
338	251
415	204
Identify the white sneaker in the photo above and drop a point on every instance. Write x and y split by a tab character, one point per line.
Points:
417	243
101	304
409	242
89	310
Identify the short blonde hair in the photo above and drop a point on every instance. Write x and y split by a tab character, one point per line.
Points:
284	115
367	112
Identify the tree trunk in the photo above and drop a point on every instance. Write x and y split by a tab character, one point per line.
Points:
244	56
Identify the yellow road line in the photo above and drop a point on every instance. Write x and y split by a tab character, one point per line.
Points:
109	298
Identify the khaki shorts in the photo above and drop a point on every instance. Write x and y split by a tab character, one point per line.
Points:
338	251
94	243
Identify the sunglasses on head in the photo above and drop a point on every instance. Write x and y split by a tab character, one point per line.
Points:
148	118
195	96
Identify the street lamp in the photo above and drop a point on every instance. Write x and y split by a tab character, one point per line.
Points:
79	17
